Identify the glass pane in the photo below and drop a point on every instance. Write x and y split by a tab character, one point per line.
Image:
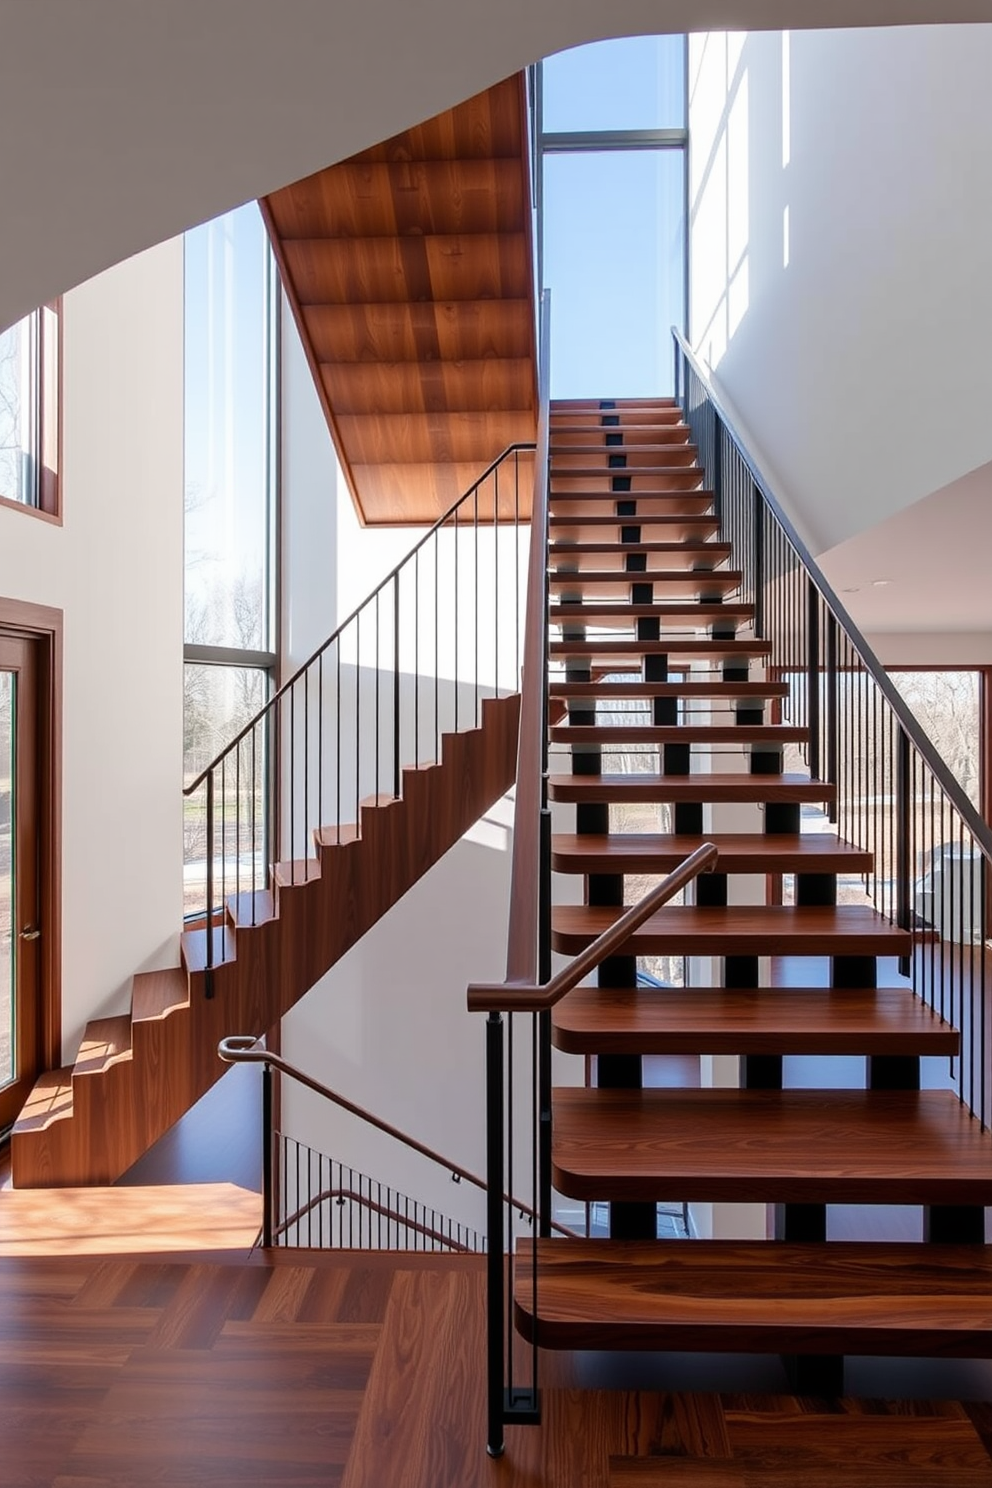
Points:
218	702
637	82
617	284
948	706
228	421
7	999
18	412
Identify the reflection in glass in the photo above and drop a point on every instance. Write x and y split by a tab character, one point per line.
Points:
636	82
617	278
228	424
19	412
218	702
7	1000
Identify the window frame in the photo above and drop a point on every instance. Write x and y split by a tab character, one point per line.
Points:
48	418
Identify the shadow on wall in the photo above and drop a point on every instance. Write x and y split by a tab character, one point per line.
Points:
839	254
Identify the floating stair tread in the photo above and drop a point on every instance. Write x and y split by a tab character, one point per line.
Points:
105	1041
297	871
648	519
50	1100
740	852
193	944
753	1020
670	646
685	491
717	552
770	1146
561	447
637	688
251	908
739	1296
703	613
737	930
678	580
580	735
155	994
571	472
729	787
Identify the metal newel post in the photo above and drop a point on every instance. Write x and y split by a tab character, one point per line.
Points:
267	1194
495	1259
813	676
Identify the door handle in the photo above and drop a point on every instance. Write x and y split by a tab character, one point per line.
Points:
30	933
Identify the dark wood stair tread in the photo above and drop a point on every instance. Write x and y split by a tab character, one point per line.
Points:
740	1296
295	872
50	1100
670	646
770	1146
703	787
737	930
580	735
105	1041
740	852
637	688
193	945
753	1020
626	613
155	994
251	908
619	581
716	552
648	519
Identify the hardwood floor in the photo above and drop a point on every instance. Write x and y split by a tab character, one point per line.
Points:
365	1371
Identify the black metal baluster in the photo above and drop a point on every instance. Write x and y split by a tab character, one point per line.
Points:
208	980
396	686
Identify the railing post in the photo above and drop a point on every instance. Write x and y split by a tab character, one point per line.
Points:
396	685
813	676
544	1029
495	1258
758	520
717	472
267	1185
903	832
209	973
831	689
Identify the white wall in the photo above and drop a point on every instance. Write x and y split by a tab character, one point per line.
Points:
841	234
115	569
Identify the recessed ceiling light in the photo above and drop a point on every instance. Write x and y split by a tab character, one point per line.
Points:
880	583
853	590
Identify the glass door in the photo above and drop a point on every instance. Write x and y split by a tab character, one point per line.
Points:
20	931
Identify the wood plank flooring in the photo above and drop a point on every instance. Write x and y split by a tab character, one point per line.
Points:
365	1371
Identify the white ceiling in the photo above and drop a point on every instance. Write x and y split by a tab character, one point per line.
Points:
125	121
926	568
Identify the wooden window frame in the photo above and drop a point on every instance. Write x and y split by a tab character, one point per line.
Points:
49	390
44	625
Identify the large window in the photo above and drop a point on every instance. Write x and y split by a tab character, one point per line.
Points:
612	131
230	490
29	426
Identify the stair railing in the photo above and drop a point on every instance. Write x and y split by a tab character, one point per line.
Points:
895	795
417	659
292	1190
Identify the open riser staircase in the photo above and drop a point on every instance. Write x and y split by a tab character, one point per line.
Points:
709	706
362	770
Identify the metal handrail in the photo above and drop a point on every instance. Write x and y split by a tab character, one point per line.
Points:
522	934
523	997
243	1048
286	687
383	1210
907	719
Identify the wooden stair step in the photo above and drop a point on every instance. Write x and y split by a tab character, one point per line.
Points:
753	1020
644	787
624	614
105	1041
155	994
613	405
337	836
642	472
682	480
687	525
740	852
770	1146
670	646
699	557
193	946
50	1101
750	1296
614	583
251	908
639	444
296	871
737	930
580	735
636	688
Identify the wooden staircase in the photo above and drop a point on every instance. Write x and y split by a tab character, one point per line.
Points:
644	617
136	1074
